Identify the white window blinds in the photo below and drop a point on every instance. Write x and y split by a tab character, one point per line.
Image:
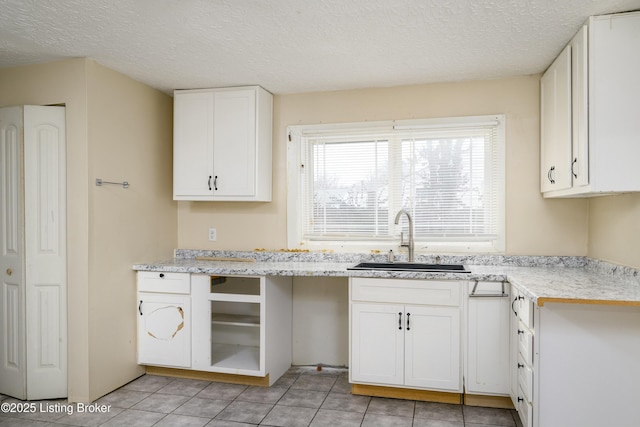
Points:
448	174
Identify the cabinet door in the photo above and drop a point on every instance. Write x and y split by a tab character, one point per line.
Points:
234	136
580	109
432	347
555	126
487	363
164	330
192	145
377	343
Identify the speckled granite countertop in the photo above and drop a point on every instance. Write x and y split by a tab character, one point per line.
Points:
542	279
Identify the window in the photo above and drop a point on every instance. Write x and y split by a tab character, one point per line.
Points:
348	181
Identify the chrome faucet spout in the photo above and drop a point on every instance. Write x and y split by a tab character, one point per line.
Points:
409	244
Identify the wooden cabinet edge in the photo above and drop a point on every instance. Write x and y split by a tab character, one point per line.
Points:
486	401
406	393
544	300
208	376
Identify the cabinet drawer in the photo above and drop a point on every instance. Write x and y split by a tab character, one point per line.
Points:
406	291
525	312
525	411
166	283
525	344
525	378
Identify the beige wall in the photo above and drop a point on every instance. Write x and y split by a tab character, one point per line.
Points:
107	231
130	139
614	229
65	83
534	226
118	129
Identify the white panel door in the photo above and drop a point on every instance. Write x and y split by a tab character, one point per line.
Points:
377	343
34	290
45	251
432	347
12	316
234	142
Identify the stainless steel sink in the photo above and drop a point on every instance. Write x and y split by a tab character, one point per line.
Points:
410	266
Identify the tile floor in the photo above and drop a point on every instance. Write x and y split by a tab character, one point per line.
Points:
301	397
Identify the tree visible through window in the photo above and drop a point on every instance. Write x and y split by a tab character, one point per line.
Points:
354	179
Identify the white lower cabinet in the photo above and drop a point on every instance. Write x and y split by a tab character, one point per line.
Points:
521	357
230	325
405	333
164	319
574	365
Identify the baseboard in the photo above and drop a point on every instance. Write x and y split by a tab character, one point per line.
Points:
503	402
406	393
209	376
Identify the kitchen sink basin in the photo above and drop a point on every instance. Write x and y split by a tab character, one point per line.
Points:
410	266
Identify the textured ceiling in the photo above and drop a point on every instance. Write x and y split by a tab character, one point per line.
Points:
291	46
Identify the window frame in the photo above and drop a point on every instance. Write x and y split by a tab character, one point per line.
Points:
295	158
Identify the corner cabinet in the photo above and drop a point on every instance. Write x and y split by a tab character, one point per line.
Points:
590	96
574	365
405	333
521	357
222	144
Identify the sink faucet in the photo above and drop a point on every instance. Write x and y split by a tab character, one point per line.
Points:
410	243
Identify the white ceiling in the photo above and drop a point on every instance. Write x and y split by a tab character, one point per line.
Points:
292	46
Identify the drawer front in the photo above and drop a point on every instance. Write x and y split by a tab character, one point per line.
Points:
431	292
525	410
525	344
525	312
525	378
166	283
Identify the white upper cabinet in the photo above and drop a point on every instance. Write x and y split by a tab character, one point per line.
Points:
589	140
222	144
555	129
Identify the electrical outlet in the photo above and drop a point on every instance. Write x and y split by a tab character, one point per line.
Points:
212	234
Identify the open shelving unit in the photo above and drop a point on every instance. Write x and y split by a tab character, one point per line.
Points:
242	325
236	306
